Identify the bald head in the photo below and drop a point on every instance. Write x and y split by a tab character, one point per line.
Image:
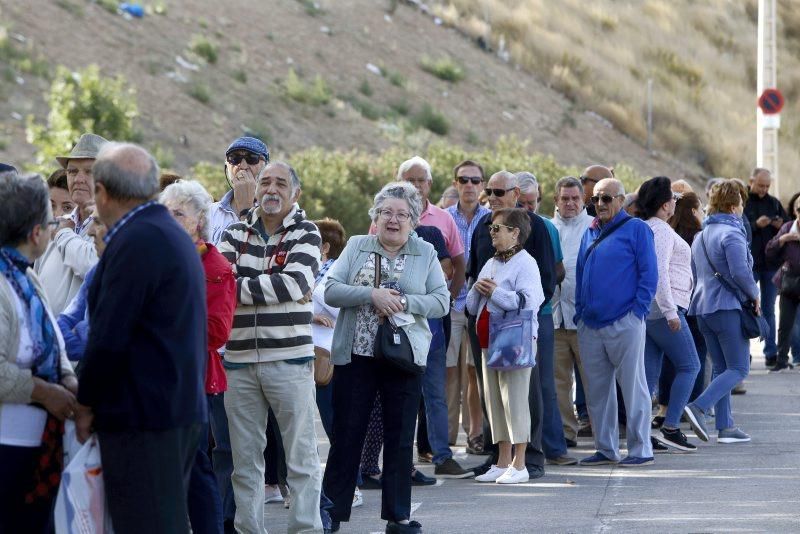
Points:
591	175
127	172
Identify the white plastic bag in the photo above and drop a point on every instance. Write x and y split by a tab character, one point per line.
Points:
81	504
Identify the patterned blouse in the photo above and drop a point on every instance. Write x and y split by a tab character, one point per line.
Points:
366	317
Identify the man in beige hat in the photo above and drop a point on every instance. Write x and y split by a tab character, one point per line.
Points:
71	254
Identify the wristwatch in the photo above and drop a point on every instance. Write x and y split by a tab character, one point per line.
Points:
404	302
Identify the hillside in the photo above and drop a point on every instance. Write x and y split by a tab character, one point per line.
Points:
191	107
701	57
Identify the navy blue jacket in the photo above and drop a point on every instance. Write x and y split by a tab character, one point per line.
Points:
145	360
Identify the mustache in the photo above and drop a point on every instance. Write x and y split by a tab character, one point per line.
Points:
266	198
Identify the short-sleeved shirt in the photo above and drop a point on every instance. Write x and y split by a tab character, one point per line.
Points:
547	309
436	216
465	230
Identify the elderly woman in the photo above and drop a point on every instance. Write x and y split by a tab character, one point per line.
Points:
409	289
189	204
37	384
722	248
504	281
667	331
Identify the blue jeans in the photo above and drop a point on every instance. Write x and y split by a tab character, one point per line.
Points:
730	355
221	455
203	500
768	294
325	407
433	391
553	441
680	350
796	340
668	371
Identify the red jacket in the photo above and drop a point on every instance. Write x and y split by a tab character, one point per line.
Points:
221	303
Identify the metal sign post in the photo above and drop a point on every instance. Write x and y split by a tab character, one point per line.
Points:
767	126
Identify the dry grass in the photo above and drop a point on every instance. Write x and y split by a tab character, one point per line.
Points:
700	55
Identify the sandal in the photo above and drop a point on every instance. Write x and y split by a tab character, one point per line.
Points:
475	445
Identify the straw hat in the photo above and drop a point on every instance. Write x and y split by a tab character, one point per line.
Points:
87	147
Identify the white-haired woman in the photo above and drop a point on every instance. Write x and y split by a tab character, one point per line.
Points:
189	204
410	283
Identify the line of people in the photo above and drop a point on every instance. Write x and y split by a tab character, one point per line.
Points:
163	322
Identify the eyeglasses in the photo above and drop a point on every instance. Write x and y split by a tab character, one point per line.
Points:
585	179
605	198
388	215
236	159
494	228
466	179
497	192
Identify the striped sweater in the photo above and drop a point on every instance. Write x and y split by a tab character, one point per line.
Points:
269	323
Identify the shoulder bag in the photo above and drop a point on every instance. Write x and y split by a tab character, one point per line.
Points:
323	367
391	343
602	235
753	324
511	339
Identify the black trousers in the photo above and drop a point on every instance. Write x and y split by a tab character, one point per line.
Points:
17	465
354	388
788	311
146	476
534	455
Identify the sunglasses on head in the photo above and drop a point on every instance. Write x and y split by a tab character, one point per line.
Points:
466	179
236	159
497	192
496	227
585	179
605	198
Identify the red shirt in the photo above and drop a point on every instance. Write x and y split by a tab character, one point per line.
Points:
221	303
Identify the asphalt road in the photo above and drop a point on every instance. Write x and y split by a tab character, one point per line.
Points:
751	487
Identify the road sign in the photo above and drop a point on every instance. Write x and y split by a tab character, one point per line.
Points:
771	101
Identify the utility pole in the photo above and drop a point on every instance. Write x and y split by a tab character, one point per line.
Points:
649	114
767	125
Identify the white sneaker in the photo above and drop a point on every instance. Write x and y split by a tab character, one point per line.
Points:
272	494
492	474
358	498
513	476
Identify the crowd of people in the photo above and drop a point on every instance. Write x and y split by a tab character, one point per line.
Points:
198	341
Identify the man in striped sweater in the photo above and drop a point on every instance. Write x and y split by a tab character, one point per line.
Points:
275	252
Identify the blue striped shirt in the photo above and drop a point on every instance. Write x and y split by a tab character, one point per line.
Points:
465	230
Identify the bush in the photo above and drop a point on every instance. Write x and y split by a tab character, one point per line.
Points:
82	102
211	176
318	94
432	120
443	68
205	49
200	92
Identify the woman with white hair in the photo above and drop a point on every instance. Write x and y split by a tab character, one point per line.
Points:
389	276
189	204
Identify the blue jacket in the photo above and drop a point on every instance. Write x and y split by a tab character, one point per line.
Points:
619	276
727	248
145	360
74	321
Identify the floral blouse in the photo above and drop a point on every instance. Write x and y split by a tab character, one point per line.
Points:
366	316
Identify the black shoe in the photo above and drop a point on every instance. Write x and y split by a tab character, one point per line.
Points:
413	527
673	437
370	483
227	527
779	367
535	471
658	447
420	479
739	389
452	469
657	422
335	526
585	432
770	362
571	443
484	467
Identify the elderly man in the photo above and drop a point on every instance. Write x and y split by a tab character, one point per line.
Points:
275	252
70	255
142	384
555	446
589	177
244	160
503	192
571	220
766	216
616	278
467	213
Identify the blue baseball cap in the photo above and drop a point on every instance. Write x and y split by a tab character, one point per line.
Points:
251	144
4	167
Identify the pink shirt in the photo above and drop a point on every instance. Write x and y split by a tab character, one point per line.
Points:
674	269
436	216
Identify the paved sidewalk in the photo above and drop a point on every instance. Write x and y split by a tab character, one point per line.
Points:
752	487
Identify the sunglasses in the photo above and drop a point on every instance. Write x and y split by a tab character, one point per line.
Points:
466	179
494	228
497	192
585	179
236	159
605	198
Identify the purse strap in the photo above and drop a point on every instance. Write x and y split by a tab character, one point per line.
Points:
602	235
718	275
377	270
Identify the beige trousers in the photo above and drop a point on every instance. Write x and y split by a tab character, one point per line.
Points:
566	356
507	403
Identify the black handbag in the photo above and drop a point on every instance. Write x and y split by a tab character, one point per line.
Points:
790	282
391	343
753	325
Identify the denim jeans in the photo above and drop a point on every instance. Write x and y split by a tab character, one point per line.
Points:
325	407
221	456
203	500
768	294
668	370
680	350
796	341
553	441
730	354
433	391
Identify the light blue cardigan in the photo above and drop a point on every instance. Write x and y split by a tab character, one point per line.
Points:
422	281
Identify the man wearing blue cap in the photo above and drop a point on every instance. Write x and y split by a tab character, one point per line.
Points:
244	160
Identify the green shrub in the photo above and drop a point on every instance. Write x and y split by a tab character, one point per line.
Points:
211	176
401	107
432	120
443	68
240	75
205	49
82	102
112	6
200	92
367	109
365	88
317	94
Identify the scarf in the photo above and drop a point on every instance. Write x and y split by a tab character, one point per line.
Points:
13	266
506	255
727	219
